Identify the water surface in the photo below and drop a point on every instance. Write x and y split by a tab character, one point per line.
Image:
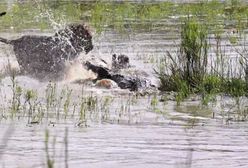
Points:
135	132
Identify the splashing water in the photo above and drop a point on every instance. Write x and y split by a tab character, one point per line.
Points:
75	72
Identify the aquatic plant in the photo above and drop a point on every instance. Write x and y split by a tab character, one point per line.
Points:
49	159
16	96
188	71
210	87
154	102
82	114
30	99
188	68
105	108
86	108
50	96
67	101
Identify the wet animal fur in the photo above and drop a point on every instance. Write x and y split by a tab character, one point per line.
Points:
44	57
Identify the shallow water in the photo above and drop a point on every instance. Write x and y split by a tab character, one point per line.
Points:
164	145
130	131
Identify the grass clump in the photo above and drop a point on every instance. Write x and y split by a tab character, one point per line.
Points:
235	87
194	49
188	72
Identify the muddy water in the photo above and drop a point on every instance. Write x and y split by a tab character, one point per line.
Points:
136	133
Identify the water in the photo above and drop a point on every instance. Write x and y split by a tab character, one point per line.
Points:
130	131
165	145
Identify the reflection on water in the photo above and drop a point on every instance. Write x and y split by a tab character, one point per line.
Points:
133	133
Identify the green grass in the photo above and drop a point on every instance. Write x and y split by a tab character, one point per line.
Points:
121	16
57	104
188	71
189	66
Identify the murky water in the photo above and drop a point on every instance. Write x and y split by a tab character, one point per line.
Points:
129	131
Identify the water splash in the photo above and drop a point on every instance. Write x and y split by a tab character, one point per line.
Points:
75	72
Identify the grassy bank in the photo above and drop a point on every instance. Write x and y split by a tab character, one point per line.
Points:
122	16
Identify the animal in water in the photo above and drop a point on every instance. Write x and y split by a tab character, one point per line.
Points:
119	62
2	13
44	57
124	82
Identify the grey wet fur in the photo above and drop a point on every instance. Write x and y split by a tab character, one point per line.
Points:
44	57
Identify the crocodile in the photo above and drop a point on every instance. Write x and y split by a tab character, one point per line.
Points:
123	81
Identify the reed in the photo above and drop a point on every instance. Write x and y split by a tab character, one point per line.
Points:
49	159
189	72
186	71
